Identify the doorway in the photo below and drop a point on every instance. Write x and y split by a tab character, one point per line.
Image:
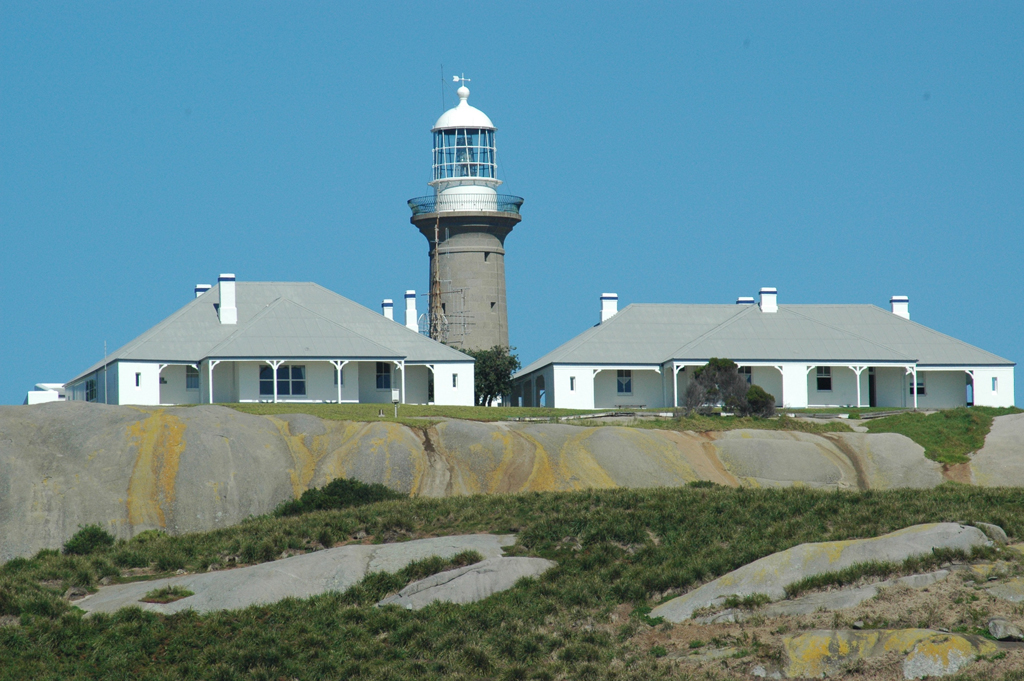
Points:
872	402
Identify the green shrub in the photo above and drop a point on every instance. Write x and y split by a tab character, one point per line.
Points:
88	539
760	403
339	493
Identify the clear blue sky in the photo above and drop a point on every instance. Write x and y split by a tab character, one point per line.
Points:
676	152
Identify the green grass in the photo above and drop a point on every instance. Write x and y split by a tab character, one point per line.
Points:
612	547
420	416
414	415
167	594
947	436
705	424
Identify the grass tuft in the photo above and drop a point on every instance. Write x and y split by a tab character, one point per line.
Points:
88	539
167	594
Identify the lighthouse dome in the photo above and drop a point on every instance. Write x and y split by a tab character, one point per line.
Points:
463	115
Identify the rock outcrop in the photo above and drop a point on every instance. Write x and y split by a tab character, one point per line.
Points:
926	653
190	469
772	574
468	584
296	577
825	601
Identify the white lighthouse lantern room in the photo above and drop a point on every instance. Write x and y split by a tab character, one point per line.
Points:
465	167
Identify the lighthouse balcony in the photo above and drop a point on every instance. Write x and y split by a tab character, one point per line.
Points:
452	203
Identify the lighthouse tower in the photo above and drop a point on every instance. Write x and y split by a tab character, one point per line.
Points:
465	222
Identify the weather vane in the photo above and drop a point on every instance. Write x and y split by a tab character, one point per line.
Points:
460	78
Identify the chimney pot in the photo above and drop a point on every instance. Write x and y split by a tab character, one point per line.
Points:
227	311
387	308
609	306
900	306
411	321
769	299
201	289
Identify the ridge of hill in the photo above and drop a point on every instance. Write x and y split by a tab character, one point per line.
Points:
188	469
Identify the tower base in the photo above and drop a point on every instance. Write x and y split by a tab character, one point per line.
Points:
467	274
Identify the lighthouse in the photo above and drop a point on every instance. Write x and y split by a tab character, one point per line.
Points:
465	221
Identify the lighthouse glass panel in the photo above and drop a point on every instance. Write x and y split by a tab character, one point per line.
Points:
464	152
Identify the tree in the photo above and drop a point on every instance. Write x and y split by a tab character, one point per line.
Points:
718	383
493	373
760	402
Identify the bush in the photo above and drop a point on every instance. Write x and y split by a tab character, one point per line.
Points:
340	493
759	402
717	383
88	539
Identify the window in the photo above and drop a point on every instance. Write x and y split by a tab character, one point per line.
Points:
383	376
291	380
625	382
192	379
455	380
339	374
138	380
90	390
464	152
995	384
572	383
746	373
824	379
920	385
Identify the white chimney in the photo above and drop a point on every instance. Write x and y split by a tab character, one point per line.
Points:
387	308
201	289
744	300
410	311
769	299
609	306
227	311
900	306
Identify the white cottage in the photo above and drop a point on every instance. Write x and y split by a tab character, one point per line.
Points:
278	342
804	355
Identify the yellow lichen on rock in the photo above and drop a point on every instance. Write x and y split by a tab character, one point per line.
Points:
578	466
542	477
499	477
928	653
158	442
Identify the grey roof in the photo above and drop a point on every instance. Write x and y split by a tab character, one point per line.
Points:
280	320
659	333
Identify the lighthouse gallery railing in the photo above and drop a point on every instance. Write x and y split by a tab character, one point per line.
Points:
501	203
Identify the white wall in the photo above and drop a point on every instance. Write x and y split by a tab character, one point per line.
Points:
172	388
892	387
770	379
417	379
984	396
148	390
444	393
794	386
844	388
647	389
41	396
320	386
582	397
368	393
942	389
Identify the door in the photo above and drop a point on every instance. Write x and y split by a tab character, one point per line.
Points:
871	387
